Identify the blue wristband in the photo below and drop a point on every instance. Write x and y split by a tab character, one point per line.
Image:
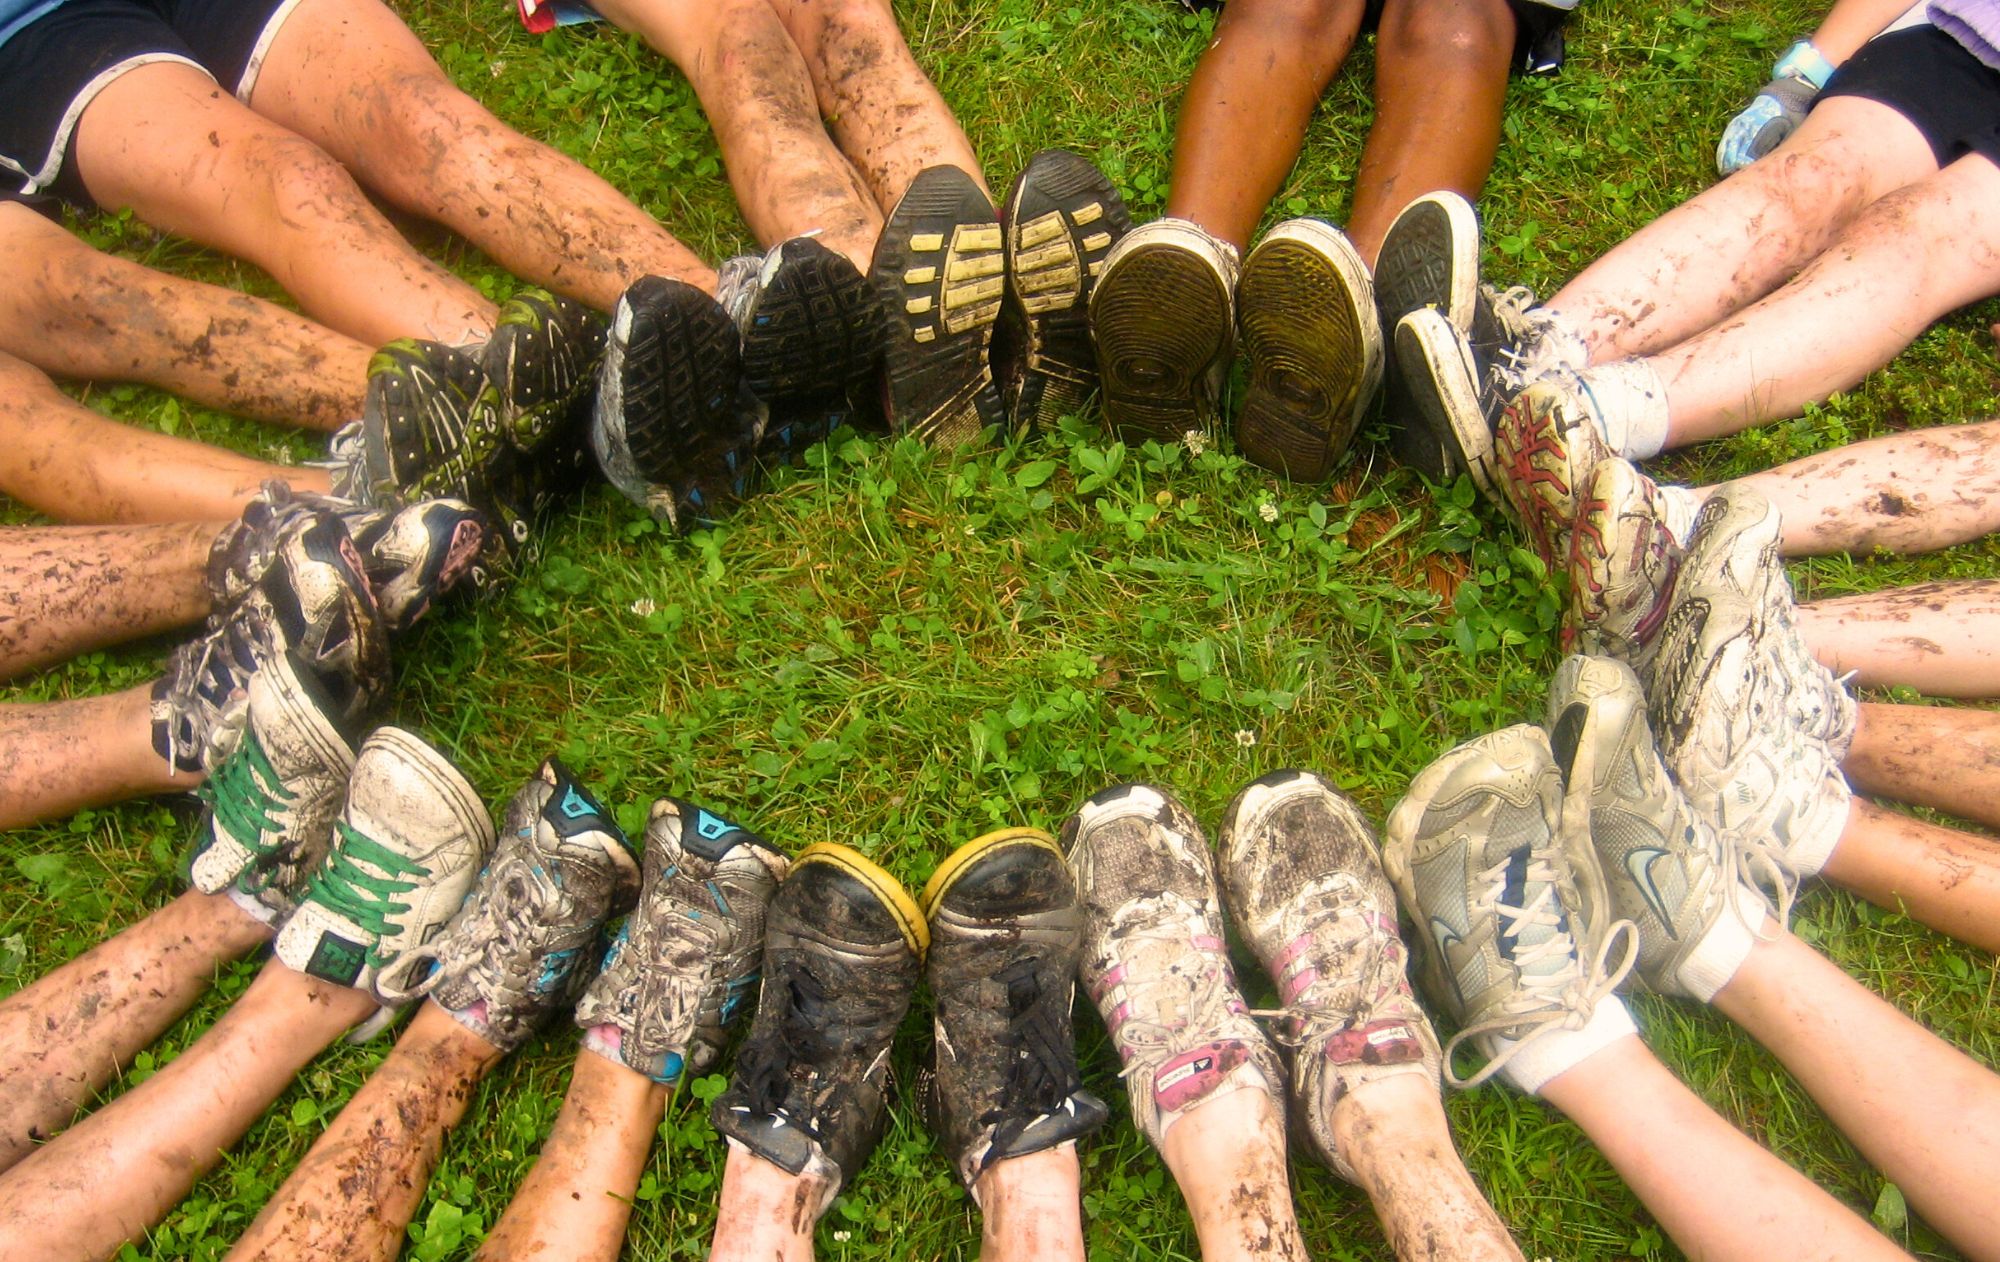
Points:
1803	61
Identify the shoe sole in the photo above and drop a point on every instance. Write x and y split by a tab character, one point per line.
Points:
909	919
939	273
1062	218
694	350
1538	475
958	861
1161	318
1310	334
815	332
565	340
1445	430
1430	258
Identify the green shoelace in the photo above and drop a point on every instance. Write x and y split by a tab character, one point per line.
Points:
247	793
365	895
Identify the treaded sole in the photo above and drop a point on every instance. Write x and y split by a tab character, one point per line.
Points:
1161	318
961	859
1430	258
1445	428
1314	352
939	274
909	919
816	330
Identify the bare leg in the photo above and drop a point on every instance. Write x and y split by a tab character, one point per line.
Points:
1939	638
1921	1111
1228	1156
122	1168
61	458
1940	877
62	1038
1440	81
75	588
885	112
1740	239
1394	1133
1911	257
1718	1194
66	755
1916	491
352	1197
766	1215
1033	1208
754	85
1245	113
77	312
1934	756
575	1202
351	77
165	141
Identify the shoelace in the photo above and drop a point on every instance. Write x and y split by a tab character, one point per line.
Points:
365	895
247	795
1041	1071
1149	1039
1300	1021
680	1000
505	924
1563	998
765	1064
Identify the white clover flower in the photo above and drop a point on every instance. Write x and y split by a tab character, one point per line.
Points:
1245	737
843	1236
1195	441
1268	511
498	68
643	607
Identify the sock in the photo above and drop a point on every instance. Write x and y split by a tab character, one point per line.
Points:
1722	950
1556	1051
1631	405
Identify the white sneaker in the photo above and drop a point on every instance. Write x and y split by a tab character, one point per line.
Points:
1163	315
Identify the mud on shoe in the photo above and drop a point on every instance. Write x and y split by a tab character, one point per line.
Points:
1546	445
1303	877
1154	959
939	274
407	846
271	803
530	936
1163	316
812	333
843	944
1005	930
687	960
1061	219
1625	554
674	426
1313	345
542	358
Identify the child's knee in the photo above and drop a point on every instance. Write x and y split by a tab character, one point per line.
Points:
1301	24
1473	37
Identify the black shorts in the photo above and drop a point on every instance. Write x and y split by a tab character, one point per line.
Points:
56	65
1925	75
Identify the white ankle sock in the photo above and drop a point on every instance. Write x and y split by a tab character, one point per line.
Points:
1631	404
1722	950
1558	1050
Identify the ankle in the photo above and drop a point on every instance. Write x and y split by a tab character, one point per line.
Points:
766	1212
1032	1207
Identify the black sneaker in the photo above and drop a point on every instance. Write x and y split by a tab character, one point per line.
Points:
1006	931
542	358
673	430
843	942
1306	309
812	332
939	272
1062	218
1440	426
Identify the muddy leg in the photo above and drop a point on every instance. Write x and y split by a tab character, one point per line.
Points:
1247	107
76	312
351	1199
76	588
753	83
1742	238
65	1036
65	755
1393	1132
63	459
351	77
1941	757
120	1170
1939	638
577	1199
885	112
1033	1208
1939	877
766	1214
1228	1156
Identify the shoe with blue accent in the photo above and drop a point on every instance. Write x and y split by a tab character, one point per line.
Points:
843	945
687	961
271	803
812	332
530	937
1006	931
406	848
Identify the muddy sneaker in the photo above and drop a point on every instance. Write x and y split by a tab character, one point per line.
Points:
1164	318
1514	342
542	358
843	943
1546	446
1511	903
1624	555
1062	217
1005	931
812	332
312	599
674	426
1666	869
939	274
530	936
271	803
1305	886
1313	346
1154	960
1439	426
406	848
687	959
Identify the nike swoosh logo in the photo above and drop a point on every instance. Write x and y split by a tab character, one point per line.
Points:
1639	866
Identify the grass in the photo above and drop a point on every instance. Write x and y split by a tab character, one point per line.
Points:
898	648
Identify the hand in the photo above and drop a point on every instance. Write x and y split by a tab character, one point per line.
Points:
1772	115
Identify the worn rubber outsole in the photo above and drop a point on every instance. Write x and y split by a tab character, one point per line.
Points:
1162	320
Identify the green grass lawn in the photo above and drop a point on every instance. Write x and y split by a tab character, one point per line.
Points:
900	648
